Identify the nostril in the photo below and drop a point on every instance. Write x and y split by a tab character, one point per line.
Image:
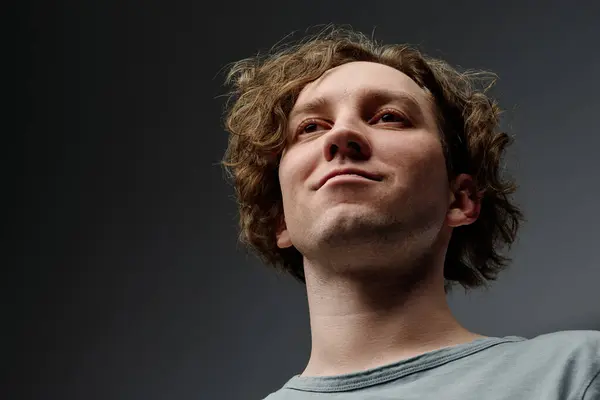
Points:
354	146
333	149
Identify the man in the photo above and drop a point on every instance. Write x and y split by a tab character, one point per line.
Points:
372	174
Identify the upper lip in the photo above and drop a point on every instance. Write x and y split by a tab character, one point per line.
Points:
349	171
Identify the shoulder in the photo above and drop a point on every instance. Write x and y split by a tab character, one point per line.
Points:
578	352
571	348
575	342
281	394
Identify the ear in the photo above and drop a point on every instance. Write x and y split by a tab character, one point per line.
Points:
283	235
465	201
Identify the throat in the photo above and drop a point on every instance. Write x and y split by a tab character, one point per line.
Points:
349	357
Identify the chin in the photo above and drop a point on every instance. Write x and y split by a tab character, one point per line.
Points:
346	220
354	233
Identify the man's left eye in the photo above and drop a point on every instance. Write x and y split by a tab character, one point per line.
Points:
390	117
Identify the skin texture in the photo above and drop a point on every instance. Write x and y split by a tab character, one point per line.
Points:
373	247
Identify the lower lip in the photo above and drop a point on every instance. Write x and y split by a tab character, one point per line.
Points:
347	178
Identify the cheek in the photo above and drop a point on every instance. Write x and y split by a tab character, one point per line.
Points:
294	171
431	160
433	178
421	161
284	184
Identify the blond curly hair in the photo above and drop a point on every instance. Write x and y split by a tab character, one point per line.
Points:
264	90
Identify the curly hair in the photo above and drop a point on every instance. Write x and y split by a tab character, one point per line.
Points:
264	90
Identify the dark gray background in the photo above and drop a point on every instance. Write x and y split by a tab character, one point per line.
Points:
129	283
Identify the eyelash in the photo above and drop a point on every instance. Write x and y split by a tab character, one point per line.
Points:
306	123
377	116
391	111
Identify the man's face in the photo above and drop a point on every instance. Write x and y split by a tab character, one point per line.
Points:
372	127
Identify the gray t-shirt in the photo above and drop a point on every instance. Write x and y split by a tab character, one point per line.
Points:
562	365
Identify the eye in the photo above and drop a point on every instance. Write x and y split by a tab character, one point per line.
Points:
310	126
391	117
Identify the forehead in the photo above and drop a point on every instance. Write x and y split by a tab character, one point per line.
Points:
355	79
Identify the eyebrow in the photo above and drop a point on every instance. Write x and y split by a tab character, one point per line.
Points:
317	104
381	96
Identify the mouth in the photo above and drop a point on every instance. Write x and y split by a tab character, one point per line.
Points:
349	172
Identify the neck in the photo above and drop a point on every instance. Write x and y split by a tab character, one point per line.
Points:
357	324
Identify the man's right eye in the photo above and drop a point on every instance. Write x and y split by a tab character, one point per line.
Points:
309	126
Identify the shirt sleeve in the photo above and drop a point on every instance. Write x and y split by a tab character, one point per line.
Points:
592	392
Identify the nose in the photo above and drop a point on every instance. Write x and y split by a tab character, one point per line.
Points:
346	142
